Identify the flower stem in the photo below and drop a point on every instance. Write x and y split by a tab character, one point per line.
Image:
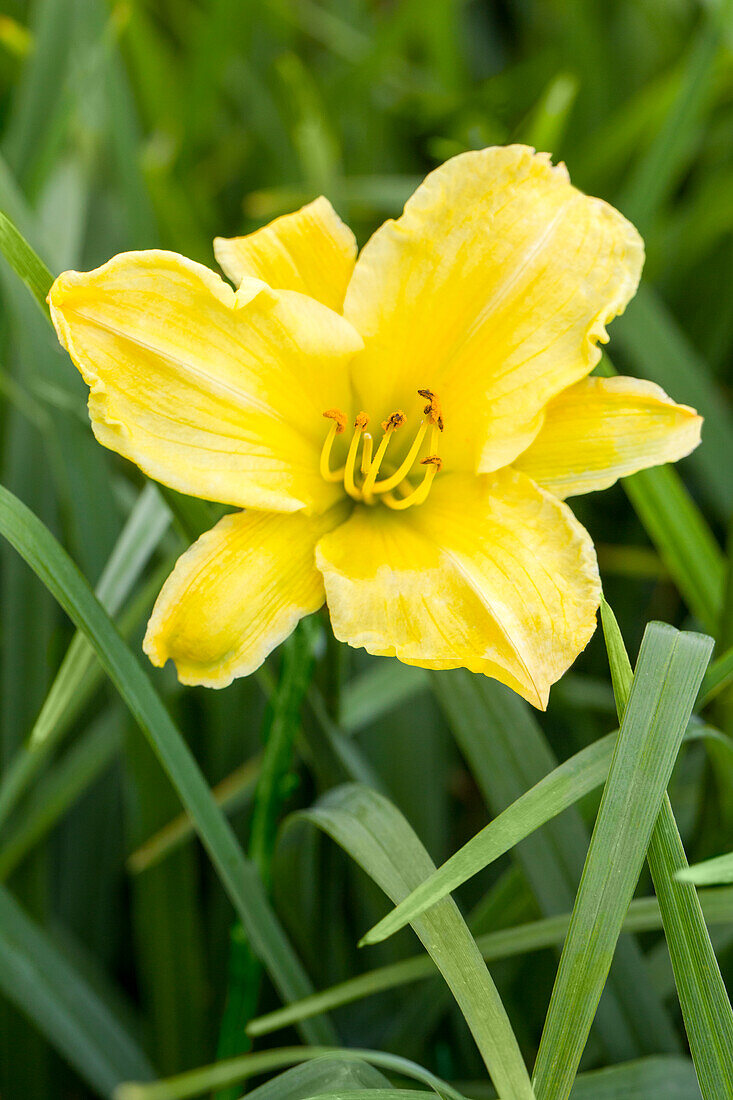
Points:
274	785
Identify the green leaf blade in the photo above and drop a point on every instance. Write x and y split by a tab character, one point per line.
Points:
670	670
240	879
376	836
26	264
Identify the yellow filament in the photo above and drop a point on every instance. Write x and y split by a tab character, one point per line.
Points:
370	465
349	468
366	453
418	495
371	477
400	474
325	465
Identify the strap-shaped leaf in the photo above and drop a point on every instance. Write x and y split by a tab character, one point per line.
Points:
35	543
24	262
560	788
703	998
36	977
376	835
670	669
231	1071
643	916
710	872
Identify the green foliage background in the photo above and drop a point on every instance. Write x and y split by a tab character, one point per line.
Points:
142	124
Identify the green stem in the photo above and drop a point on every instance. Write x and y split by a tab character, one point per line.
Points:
281	727
333	673
274	784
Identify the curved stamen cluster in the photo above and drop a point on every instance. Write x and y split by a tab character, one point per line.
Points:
361	480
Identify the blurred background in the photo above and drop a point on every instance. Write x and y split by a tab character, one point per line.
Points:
162	124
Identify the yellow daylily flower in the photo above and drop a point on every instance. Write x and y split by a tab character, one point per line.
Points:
450	362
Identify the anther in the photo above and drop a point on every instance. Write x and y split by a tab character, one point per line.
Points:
338	417
432	460
396	420
338	425
432	410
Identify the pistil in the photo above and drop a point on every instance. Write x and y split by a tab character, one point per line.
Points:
366	453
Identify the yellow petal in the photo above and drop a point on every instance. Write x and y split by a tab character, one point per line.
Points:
236	594
605	428
492	574
311	251
219	395
492	290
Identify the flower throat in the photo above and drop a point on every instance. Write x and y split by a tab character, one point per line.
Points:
360	472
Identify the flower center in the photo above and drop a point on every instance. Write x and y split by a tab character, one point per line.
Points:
360	472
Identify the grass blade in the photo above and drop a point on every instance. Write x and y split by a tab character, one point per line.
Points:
562	787
709	872
233	794
683	539
85	761
378	690
371	1094
508	752
665	1076
25	263
703	998
379	839
55	569
75	678
657	172
37	978
717	678
705	1006
643	916
670	670
234	1070
281	726
313	1078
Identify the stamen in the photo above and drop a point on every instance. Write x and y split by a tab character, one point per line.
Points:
419	495
396	420
433	460
338	425
404	494
389	426
432	410
401	473
359	425
338	416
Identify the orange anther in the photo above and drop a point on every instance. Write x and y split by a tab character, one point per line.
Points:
396	420
432	410
338	416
